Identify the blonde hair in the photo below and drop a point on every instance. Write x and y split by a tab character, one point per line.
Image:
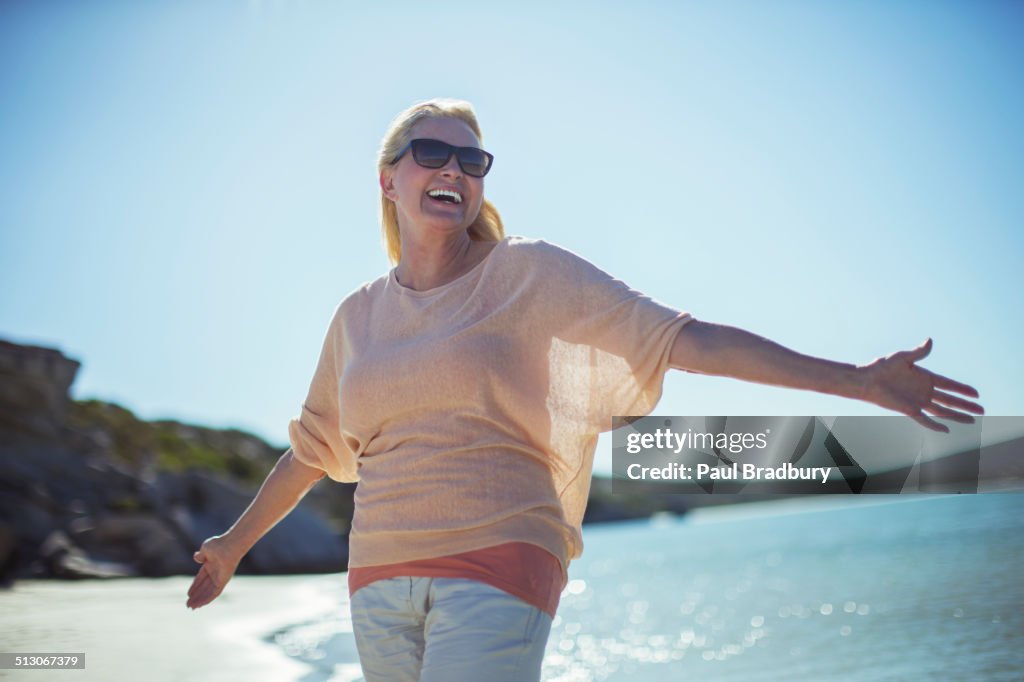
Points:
486	227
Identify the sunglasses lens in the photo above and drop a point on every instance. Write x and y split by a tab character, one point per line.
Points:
431	153
473	161
435	154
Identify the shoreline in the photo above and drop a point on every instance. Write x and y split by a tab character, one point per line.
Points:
139	628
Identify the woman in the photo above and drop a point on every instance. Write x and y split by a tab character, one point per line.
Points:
465	390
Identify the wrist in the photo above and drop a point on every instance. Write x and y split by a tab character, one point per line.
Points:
234	543
860	383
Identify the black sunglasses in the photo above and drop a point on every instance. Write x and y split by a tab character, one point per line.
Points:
435	154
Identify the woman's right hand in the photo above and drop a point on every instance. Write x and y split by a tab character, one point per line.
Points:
219	562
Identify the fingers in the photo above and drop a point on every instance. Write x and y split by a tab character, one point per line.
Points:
915	390
939	381
204	589
195	597
944	413
948	384
938	410
941	384
200	587
199	601
201	579
929	423
960	403
203	594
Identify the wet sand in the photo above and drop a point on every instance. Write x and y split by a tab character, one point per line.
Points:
140	629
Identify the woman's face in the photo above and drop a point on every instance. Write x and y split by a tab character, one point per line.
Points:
410	185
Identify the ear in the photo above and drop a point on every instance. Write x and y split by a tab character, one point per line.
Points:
387	184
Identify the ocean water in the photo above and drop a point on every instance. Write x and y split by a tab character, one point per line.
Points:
836	588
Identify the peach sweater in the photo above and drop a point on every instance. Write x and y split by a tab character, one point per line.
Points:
469	413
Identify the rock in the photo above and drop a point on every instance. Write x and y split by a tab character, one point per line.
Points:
144	541
8	550
34	384
301	543
64	560
89	489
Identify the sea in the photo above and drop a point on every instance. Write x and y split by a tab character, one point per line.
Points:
823	588
895	587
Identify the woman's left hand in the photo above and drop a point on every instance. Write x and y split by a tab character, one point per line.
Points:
896	382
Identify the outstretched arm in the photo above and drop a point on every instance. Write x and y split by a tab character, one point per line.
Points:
895	382
284	487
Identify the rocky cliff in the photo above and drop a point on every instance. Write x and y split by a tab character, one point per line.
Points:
87	489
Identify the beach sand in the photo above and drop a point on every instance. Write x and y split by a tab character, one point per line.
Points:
140	629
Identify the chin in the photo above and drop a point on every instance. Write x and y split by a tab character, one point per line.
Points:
450	227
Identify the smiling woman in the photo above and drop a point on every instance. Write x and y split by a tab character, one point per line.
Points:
465	389
460	126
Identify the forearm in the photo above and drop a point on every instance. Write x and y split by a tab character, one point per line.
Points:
721	350
287	483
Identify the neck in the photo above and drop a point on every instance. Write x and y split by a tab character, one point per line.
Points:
427	264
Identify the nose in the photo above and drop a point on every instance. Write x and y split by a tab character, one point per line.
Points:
452	169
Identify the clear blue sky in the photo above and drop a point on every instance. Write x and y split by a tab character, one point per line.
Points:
187	189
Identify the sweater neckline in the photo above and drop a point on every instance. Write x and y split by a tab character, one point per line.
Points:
406	291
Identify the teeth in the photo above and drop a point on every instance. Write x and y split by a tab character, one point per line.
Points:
445	193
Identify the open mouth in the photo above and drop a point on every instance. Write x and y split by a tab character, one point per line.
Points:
445	196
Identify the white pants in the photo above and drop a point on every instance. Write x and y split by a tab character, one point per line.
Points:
446	630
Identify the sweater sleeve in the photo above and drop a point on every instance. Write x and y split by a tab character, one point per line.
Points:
611	350
315	434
